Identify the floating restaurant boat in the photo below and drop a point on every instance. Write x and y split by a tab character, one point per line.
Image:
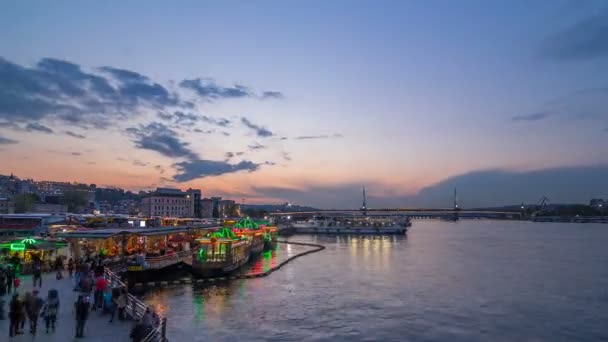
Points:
363	225
230	248
220	253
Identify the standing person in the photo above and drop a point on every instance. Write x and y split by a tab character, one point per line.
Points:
121	302
52	308
113	305
9	280
37	273
81	308
71	267
15	313
2	282
33	306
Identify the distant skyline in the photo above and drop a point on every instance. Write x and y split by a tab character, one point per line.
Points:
308	101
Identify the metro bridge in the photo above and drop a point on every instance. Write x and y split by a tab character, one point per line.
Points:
412	213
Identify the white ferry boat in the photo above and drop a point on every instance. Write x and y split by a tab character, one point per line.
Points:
352	225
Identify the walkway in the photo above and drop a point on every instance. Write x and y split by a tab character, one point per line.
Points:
97	328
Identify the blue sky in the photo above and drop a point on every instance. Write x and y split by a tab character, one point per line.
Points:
398	95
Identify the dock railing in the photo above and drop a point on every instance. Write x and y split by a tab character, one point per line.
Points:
136	309
168	260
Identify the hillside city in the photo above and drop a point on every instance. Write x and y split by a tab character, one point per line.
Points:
19	195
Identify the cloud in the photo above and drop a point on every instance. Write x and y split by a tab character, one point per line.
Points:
229	155
208	89
311	137
160	169
125	76
587	39
260	131
286	156
160	138
189	119
137	162
60	90
74	135
6	141
239	153
76	153
31	127
272	95
530	117
256	146
483	188
193	169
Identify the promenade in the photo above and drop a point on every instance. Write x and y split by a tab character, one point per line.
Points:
97	327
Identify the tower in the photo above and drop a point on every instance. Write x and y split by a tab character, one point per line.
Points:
364	206
456	200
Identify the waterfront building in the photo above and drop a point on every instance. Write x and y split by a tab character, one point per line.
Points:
28	224
170	202
194	197
206	208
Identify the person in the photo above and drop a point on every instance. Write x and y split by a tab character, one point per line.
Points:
16	283
2	282
37	273
139	332
16	312
113	305
51	309
81	308
10	278
100	287
147	318
33	306
121	303
2	309
71	267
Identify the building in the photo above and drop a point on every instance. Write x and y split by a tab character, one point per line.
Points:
168	202
6	206
49	208
206	208
228	208
194	196
27	224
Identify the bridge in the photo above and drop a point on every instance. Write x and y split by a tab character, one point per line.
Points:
412	213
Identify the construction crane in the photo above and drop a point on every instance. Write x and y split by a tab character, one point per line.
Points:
541	205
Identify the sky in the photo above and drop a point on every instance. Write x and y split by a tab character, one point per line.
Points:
307	102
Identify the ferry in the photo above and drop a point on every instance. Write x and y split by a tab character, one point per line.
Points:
364	225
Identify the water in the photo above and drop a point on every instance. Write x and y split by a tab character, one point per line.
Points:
463	281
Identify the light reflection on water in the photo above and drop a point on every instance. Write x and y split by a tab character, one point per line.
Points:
464	281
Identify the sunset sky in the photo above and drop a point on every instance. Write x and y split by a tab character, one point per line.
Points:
308	101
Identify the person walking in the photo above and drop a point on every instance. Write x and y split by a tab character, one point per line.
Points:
33	306
37	273
14	315
2	282
100	287
81	308
71	267
51	309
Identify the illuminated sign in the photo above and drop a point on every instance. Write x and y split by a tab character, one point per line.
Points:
17	247
28	241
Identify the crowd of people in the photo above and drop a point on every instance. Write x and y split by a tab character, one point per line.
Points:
88	278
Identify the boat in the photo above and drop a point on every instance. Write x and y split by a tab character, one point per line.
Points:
364	225
220	254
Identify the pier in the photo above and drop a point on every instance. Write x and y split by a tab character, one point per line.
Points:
97	328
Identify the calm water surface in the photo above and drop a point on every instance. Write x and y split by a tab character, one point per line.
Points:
463	281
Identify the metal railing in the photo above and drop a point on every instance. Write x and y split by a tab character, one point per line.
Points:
136	309
167	260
